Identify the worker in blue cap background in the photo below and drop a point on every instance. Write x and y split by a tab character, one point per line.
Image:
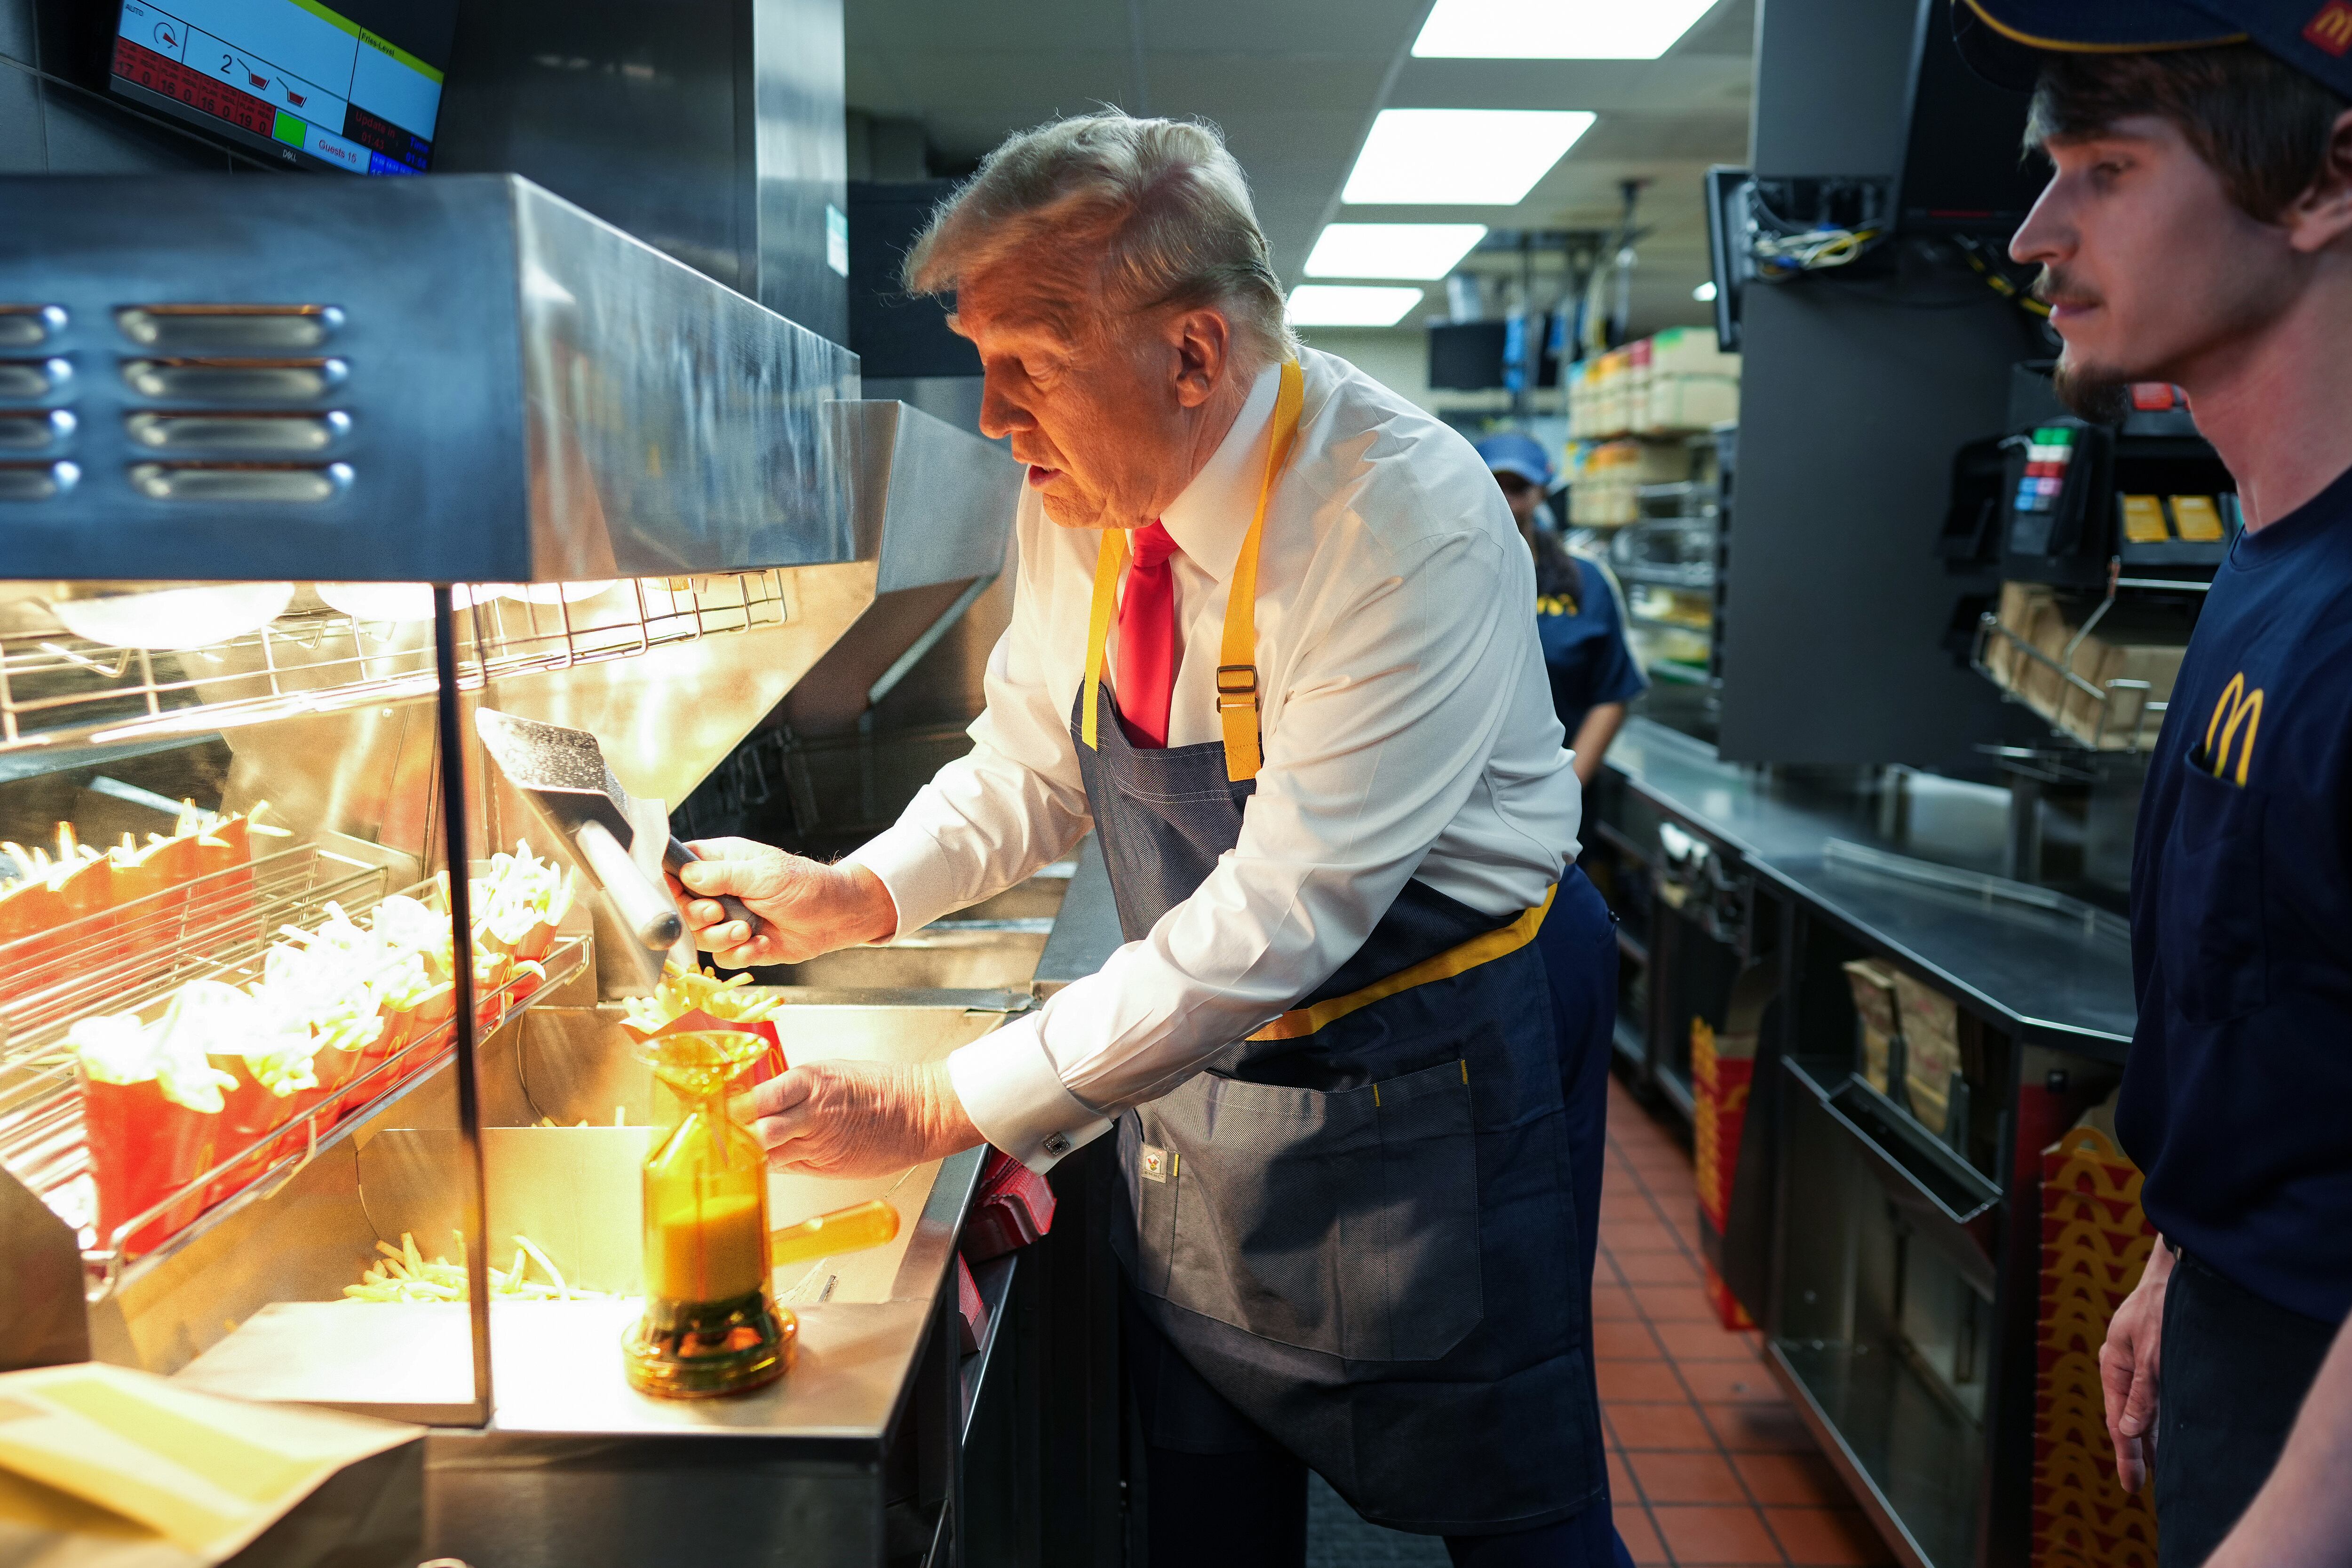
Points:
2197	229
1579	612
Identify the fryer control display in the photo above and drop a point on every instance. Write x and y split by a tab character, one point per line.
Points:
316	86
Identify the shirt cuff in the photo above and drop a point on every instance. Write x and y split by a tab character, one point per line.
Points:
914	871
1014	1095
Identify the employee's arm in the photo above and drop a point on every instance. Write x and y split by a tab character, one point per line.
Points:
2131	1370
2302	1516
1591	745
988	819
1386	726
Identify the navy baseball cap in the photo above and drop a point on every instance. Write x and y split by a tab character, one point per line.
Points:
1516	452
2005	40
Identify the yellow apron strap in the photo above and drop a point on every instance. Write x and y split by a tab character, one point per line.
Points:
1238	691
1106	569
1501	942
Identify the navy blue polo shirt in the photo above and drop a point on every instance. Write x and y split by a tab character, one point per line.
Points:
2237	1099
1585	648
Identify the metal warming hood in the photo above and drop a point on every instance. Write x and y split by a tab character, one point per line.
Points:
457	379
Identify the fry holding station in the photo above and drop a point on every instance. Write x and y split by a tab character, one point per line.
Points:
671	505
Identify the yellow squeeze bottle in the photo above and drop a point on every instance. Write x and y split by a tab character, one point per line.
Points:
709	1325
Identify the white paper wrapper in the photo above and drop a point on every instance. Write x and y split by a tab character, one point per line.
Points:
101	1467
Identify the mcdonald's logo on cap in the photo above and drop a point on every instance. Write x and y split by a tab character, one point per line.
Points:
2332	28
2236	705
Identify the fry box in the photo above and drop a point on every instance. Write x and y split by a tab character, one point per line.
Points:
143	1147
151	904
30	951
768	1064
250	1119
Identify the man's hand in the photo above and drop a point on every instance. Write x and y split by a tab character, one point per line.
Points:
857	1118
2131	1367
805	907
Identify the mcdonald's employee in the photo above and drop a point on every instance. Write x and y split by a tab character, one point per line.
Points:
2197	230
1580	618
1269	643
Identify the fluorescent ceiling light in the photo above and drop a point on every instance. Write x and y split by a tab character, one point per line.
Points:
1392	250
1460	157
1342	305
1556	29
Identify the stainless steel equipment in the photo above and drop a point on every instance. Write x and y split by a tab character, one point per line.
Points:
561	772
665	480
465	379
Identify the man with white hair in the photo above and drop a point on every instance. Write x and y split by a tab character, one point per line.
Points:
1270	640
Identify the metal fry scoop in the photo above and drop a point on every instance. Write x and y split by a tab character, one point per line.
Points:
562	772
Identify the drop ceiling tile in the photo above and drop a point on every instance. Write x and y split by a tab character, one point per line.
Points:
1364	30
1046	27
1264	82
1663	86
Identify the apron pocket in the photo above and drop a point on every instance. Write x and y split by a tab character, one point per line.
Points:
1344	1222
1426	1275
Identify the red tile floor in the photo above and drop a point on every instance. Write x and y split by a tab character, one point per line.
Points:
1707	1462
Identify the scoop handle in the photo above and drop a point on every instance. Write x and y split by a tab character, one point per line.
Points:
644	908
860	1226
678	854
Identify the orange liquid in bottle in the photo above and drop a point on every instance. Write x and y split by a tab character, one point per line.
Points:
708	1249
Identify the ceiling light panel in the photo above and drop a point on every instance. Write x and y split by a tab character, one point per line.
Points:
1392	250
1346	305
1556	29
1460	157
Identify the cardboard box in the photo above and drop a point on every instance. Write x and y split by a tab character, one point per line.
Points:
1931	1051
2021	602
2114	724
1878	1013
1680	401
2042	685
1676	380
1687	351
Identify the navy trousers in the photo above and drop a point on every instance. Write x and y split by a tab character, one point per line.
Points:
2235	1370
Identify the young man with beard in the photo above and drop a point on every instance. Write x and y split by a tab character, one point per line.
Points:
2197	230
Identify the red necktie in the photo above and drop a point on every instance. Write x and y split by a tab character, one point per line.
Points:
1146	639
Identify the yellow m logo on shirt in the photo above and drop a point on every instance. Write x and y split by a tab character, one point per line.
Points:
2237	706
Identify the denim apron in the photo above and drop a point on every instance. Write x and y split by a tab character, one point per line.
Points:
1357	1225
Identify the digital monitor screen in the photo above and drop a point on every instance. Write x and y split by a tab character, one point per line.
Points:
355	87
1466	356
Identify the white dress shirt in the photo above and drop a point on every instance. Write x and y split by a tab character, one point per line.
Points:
1407	727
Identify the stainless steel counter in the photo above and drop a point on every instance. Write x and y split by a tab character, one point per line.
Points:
2053	974
1087	932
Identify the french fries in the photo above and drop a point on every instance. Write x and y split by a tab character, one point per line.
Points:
682	992
405	1275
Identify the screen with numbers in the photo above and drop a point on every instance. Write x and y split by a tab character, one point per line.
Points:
355	87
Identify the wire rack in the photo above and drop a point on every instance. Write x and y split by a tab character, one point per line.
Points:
2125	715
43	1142
137	952
56	688
128	959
